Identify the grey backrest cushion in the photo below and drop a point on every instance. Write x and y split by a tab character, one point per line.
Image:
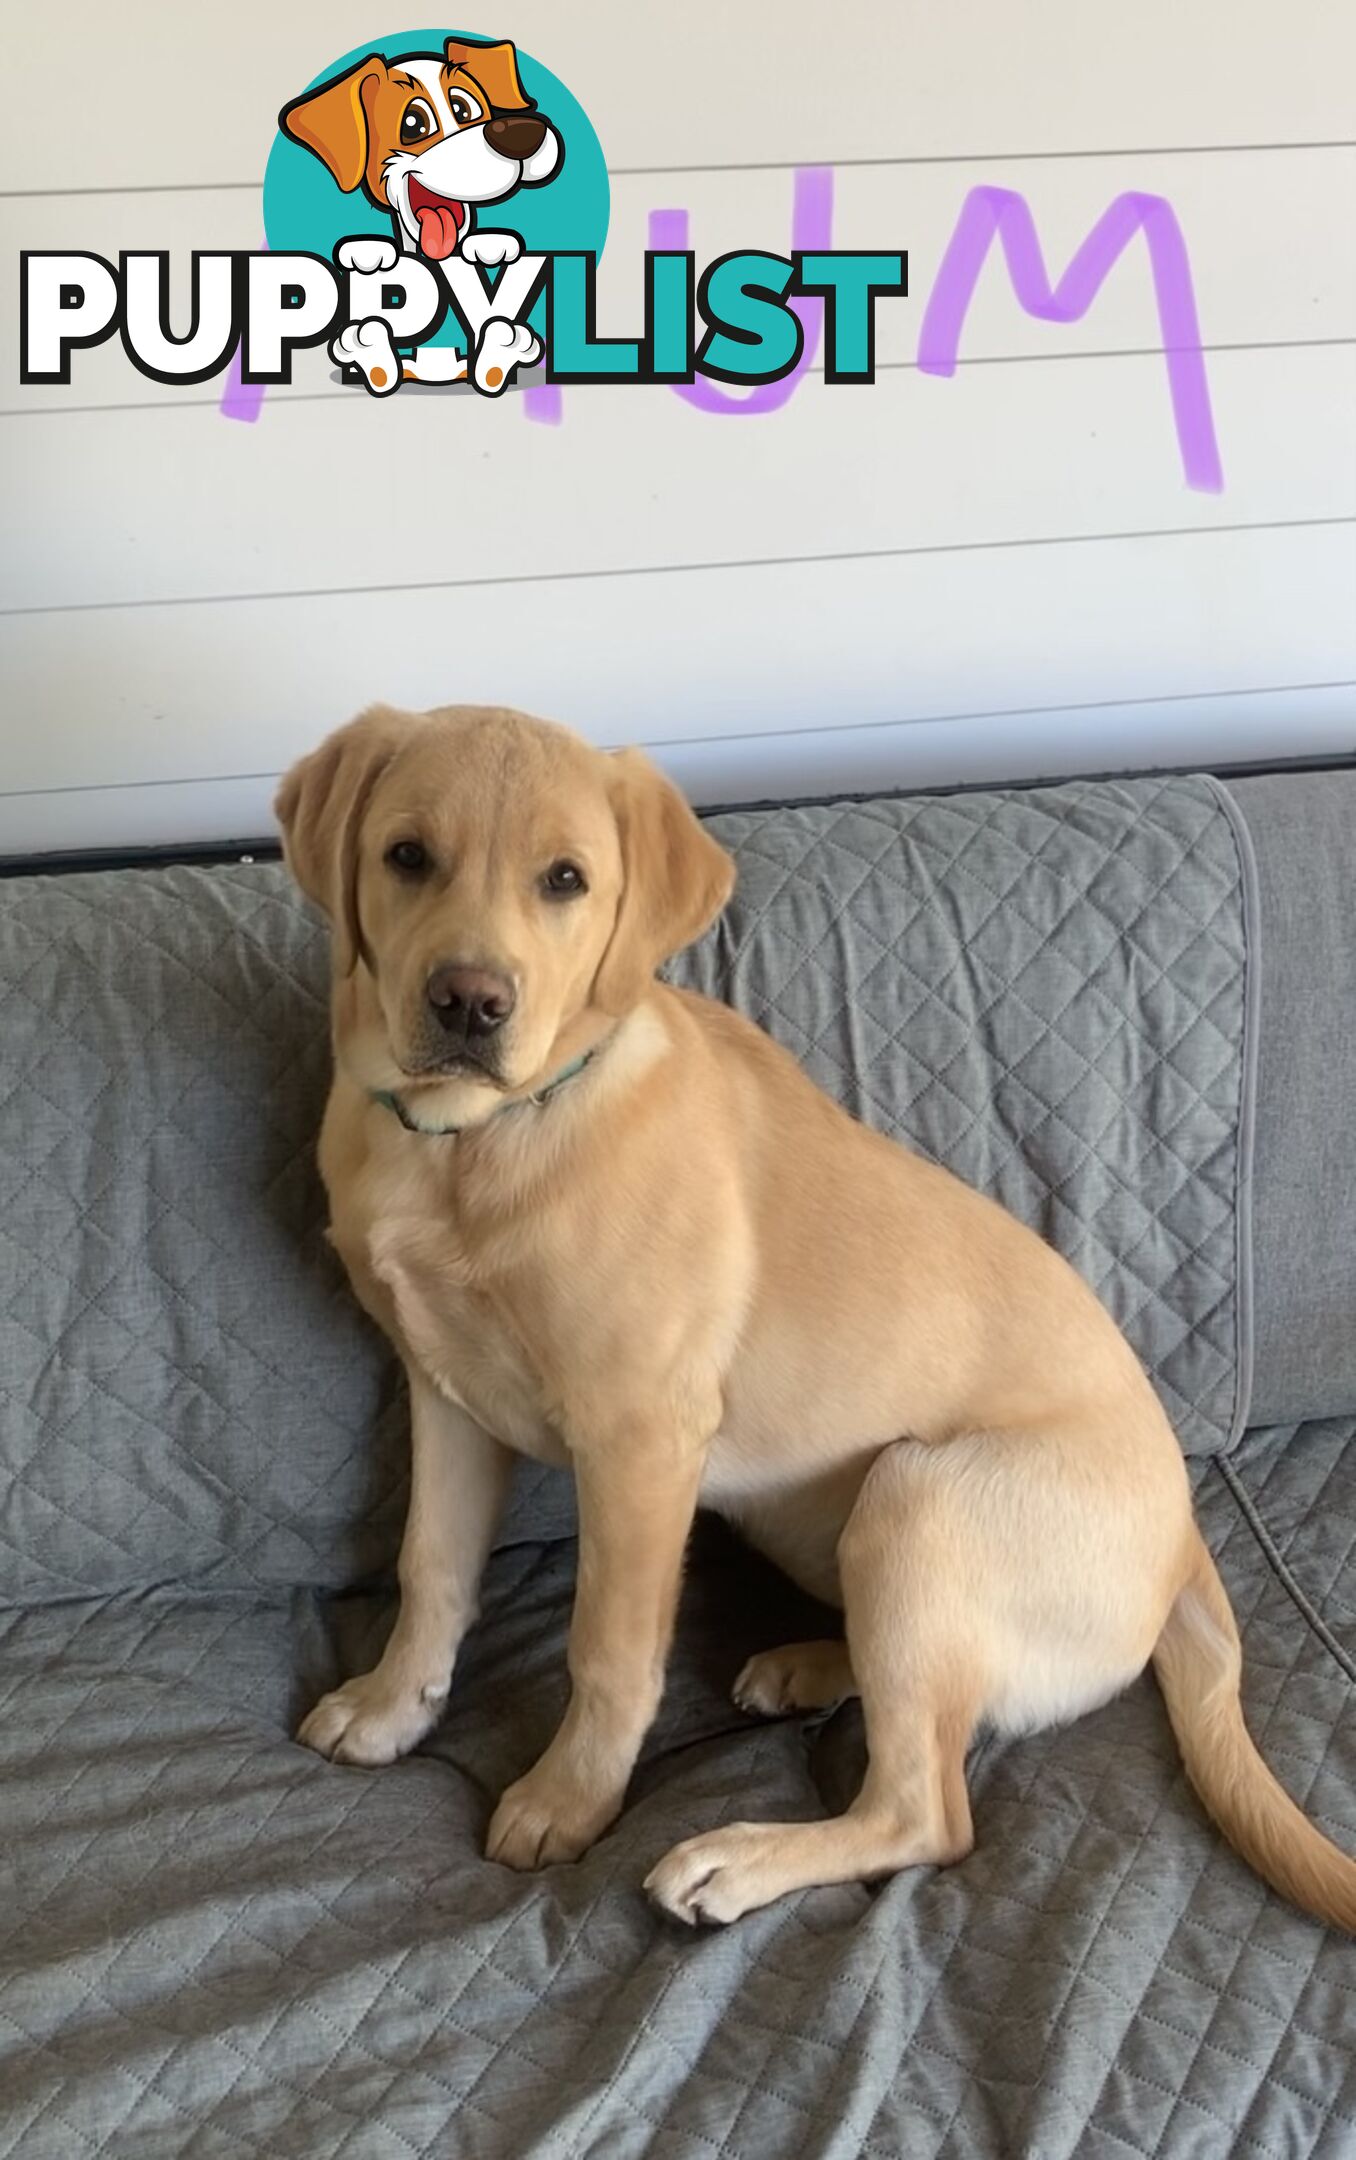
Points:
1302	828
1046	988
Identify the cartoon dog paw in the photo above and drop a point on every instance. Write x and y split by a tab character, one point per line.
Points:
367	345
367	255
503	347
491	247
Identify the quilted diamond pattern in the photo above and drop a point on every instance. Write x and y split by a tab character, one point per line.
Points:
164	1040
1303	1511
218	1944
1043	988
211	1943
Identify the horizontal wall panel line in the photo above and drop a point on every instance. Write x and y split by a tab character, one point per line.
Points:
844	164
852	727
883	367
982	157
673	569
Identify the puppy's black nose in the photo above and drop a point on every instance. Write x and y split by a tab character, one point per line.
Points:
515	135
470	1001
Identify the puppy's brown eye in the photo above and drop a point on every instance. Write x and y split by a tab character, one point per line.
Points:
462	110
417	123
563	880
408	856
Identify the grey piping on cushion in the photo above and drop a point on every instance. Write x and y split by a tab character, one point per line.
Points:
1280	1568
1251	896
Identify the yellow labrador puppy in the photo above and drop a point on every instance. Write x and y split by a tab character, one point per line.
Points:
609	1224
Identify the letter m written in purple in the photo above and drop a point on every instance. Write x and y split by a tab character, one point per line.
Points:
990	213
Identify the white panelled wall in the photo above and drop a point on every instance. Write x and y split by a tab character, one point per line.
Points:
1000	574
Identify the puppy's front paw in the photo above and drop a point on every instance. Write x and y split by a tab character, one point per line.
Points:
368	1721
367	255
367	346
491	247
503	347
537	1824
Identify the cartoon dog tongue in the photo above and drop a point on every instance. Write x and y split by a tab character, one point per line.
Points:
438	228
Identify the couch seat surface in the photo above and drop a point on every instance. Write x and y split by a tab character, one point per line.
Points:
214	1944
219	1945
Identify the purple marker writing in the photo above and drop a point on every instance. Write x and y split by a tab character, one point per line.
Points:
240	400
987	214
992	212
811	228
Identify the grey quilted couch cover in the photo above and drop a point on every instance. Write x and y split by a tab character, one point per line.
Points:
213	1943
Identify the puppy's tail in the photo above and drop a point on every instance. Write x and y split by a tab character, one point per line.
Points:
1198	1662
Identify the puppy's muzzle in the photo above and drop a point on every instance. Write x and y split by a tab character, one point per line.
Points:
469	1003
515	135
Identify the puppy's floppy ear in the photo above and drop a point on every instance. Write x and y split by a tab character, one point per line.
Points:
675	880
332	121
320	807
495	68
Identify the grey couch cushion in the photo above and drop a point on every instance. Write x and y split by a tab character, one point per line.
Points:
1046	989
215	1944
212	1943
1303	830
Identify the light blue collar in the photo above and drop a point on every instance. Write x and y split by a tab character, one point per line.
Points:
392	1102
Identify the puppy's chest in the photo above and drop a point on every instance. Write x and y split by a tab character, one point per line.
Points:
464	1337
473	1358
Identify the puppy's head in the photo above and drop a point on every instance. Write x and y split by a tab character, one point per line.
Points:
428	136
498	889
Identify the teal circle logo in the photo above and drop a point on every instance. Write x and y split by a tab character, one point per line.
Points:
315	190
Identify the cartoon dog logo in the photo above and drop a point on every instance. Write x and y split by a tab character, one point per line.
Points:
432	138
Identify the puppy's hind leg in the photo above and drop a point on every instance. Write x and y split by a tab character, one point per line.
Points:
917	1658
1020	1577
